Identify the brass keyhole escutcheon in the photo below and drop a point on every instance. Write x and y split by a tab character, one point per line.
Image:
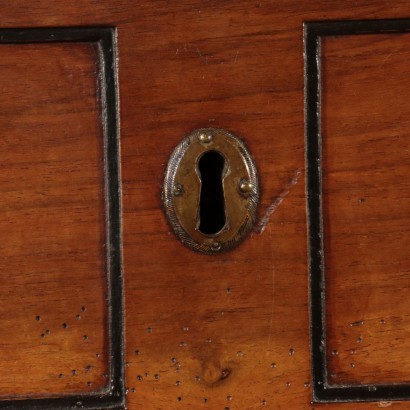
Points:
211	190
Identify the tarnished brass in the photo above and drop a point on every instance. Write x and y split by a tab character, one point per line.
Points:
182	190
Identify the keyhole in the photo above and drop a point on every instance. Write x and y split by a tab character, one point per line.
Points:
211	202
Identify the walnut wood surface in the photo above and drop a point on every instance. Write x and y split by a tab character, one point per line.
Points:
52	222
366	206
230	331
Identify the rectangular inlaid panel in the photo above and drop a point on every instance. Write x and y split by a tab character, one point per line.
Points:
55	246
364	161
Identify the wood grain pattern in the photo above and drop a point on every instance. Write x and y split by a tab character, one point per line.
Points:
52	259
366	194
230	331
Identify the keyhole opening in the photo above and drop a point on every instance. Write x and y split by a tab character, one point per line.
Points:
211	202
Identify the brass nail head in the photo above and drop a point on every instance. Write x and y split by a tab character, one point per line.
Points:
205	138
245	187
178	190
215	246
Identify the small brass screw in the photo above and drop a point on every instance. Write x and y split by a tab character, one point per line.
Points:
178	190
245	187
205	138
215	246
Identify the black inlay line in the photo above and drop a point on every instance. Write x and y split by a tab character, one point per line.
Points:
114	396
322	390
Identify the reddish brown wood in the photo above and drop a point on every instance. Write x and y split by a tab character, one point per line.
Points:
366	191
52	221
231	329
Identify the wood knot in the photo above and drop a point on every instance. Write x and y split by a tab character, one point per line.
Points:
213	373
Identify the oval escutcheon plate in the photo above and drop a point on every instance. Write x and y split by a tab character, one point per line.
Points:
211	190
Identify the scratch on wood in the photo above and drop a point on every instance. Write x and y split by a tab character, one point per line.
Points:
273	301
387	58
358	323
263	222
201	56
